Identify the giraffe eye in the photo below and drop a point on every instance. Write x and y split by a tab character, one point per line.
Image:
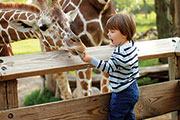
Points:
73	40
44	27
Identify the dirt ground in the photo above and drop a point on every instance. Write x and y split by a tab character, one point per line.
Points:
27	85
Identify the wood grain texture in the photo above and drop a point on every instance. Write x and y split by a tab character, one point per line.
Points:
88	108
59	61
12	94
8	95
153	70
154	100
177	49
3	98
158	99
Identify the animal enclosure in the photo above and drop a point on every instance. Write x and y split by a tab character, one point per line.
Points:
154	99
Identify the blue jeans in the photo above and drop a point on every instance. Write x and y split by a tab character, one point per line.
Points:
122	103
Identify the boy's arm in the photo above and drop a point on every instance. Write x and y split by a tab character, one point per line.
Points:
90	59
87	58
100	64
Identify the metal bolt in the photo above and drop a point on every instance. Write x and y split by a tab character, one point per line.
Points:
10	115
3	68
1	61
173	40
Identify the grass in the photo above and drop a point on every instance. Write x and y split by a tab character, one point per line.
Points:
26	46
151	62
35	98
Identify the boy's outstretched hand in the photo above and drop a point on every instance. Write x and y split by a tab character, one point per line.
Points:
87	58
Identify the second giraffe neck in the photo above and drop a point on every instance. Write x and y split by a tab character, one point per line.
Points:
8	33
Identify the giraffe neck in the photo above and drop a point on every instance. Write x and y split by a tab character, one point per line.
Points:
92	38
8	33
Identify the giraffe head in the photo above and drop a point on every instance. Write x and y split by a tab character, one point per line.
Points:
52	26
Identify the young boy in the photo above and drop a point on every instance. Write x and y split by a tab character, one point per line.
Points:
122	67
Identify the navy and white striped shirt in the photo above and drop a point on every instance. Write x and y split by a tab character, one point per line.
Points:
122	66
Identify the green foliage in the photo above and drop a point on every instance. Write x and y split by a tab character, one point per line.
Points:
147	81
35	98
142	19
22	1
151	62
143	22
134	6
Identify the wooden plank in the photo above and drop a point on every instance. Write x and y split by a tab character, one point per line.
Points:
153	70
158	99
172	76
12	94
88	108
157	48
177	49
58	61
154	100
8	94
3	98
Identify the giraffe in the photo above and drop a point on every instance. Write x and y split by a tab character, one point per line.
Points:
20	21
90	26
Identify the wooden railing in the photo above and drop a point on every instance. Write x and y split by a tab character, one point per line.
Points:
154	99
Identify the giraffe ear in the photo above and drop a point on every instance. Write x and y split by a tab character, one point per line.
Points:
24	26
71	15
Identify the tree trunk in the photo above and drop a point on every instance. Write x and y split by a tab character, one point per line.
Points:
177	17
163	21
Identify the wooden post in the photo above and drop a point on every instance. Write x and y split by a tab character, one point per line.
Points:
8	94
174	72
177	25
8	89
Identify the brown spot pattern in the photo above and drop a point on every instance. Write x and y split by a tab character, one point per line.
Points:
12	34
32	17
84	85
50	40
4	23
104	81
95	30
21	35
85	94
5	36
105	74
23	16
104	90
81	75
54	36
59	43
8	15
77	29
19	6
27	34
46	44
16	16
1	14
88	74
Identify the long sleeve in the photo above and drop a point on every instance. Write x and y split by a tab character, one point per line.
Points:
122	66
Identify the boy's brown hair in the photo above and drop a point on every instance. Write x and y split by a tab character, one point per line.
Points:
125	23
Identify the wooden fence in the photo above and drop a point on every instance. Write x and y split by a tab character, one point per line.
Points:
154	99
